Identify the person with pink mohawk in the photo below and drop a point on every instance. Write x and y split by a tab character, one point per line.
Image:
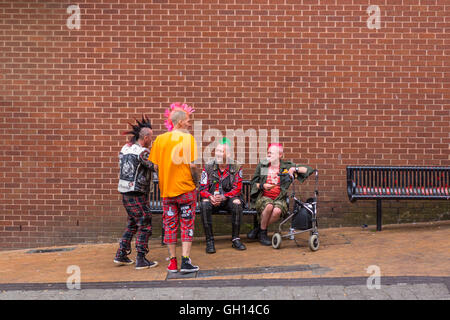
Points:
174	153
173	107
269	186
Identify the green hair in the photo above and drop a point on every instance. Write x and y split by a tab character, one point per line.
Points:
225	141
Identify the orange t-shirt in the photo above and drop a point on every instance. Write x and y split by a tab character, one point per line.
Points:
173	152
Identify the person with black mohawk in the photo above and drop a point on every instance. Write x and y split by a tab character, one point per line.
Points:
134	185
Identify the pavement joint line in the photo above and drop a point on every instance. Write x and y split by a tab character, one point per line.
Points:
249	271
50	250
297	282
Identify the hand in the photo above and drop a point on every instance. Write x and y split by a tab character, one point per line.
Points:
218	198
213	200
292	171
268	186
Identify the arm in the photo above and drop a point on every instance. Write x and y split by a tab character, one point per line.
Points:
298	170
302	171
195	172
204	185
255	185
144	159
237	185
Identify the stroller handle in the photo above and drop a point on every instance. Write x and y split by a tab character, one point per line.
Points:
316	191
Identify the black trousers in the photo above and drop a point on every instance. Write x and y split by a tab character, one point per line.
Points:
207	209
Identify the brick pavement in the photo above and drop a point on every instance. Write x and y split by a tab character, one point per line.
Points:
399	250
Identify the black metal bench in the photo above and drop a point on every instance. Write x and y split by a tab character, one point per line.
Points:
378	183
157	208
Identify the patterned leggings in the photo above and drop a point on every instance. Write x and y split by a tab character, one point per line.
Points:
139	223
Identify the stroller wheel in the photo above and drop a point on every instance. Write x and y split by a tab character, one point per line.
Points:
276	240
314	242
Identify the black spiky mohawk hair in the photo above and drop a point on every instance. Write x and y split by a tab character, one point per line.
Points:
136	128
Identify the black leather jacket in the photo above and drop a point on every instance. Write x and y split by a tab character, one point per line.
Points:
135	169
210	178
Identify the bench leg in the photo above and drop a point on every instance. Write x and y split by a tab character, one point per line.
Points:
378	215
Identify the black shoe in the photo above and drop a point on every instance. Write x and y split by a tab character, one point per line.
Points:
264	239
237	244
143	263
186	266
210	247
253	235
122	259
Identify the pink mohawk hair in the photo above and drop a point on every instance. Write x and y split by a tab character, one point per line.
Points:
174	107
279	145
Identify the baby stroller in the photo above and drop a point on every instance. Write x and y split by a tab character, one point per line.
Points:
303	219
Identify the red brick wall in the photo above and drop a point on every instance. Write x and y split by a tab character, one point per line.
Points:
339	93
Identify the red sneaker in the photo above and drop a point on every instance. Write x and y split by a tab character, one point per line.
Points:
173	265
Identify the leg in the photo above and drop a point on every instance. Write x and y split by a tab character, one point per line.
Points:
236	209
265	219
144	227
172	249
265	216
206	209
187	203
144	231
186	248
170	223
276	214
263	205
125	241
130	231
234	206
187	219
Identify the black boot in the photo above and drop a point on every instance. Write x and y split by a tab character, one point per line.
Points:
209	239
210	246
254	234
237	244
263	238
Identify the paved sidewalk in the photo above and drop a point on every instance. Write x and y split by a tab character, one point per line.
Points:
413	261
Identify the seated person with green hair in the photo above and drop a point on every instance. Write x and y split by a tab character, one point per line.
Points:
220	189
269	190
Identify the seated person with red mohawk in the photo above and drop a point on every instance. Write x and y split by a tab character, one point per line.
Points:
269	189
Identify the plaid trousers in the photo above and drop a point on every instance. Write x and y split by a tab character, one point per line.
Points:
179	210
139	223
